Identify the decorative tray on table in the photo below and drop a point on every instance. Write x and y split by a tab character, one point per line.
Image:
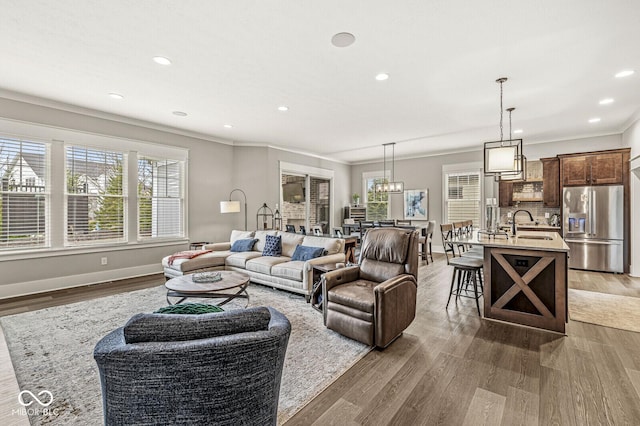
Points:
206	277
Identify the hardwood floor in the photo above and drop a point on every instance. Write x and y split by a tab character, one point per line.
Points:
452	368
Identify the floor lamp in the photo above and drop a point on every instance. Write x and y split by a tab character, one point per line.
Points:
234	206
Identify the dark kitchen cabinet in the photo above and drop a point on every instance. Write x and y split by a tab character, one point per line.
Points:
505	192
551	182
592	169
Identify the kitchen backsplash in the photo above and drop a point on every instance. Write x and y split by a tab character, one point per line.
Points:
537	209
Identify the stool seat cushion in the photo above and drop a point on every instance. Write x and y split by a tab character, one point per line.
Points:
466	262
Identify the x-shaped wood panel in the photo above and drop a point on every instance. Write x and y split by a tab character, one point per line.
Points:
521	284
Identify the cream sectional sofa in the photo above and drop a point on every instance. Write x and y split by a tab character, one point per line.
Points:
275	271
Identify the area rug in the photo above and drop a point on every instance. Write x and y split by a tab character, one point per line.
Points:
52	349
609	310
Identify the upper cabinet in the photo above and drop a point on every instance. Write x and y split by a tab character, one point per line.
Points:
551	182
604	168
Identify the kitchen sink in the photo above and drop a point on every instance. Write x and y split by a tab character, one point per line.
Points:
534	237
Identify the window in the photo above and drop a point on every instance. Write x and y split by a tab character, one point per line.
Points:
95	191
377	202
24	200
462	197
160	199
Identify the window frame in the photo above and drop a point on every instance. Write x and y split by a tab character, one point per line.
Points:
464	169
45	193
374	175
56	139
182	199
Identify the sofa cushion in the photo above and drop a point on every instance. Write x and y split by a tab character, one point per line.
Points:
306	252
331	245
240	235
239	260
263	264
243	245
289	242
291	270
262	239
273	246
207	260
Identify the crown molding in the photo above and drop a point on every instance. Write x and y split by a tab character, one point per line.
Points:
62	106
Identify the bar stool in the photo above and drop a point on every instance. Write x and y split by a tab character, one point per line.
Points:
466	269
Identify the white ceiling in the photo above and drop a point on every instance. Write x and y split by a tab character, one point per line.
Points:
235	62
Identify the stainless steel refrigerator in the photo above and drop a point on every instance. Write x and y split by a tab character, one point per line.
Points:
593	227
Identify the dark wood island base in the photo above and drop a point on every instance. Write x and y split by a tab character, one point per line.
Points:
526	286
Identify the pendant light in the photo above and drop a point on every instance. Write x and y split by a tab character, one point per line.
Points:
503	156
391	186
522	173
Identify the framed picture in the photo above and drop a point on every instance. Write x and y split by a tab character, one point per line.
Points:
416	204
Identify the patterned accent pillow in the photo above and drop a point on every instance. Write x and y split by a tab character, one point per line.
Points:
272	246
243	245
306	252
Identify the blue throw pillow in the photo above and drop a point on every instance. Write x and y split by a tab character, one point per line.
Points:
273	246
243	245
307	252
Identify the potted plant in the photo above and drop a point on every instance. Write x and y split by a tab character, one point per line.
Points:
356	199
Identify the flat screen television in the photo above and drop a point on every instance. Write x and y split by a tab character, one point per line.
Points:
293	192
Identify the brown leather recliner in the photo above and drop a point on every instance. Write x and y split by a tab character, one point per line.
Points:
375	301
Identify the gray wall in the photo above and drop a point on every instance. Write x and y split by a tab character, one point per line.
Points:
209	180
214	169
259	178
426	172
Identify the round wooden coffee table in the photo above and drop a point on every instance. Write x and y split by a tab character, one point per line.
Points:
183	287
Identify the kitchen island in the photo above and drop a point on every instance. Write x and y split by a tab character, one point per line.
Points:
525	278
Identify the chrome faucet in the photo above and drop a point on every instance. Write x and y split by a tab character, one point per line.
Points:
513	219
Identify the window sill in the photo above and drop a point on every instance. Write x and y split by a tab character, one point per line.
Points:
70	251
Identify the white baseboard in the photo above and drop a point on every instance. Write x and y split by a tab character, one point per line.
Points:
59	283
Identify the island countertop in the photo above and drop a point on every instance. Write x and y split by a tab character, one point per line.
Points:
545	241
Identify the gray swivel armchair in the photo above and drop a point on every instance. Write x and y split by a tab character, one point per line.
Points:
375	301
221	368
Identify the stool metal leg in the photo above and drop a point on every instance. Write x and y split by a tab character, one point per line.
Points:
453	278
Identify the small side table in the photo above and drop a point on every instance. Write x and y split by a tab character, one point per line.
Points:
197	245
316	292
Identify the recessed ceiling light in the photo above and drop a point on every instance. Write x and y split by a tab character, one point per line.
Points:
606	101
116	95
517	131
161	60
227	126
594	120
180	113
343	39
283	108
624	73
382	76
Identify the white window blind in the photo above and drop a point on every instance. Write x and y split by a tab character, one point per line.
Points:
24	197
377	202
462	197
160	198
95	196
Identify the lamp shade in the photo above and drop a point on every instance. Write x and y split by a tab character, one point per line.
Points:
229	206
501	159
